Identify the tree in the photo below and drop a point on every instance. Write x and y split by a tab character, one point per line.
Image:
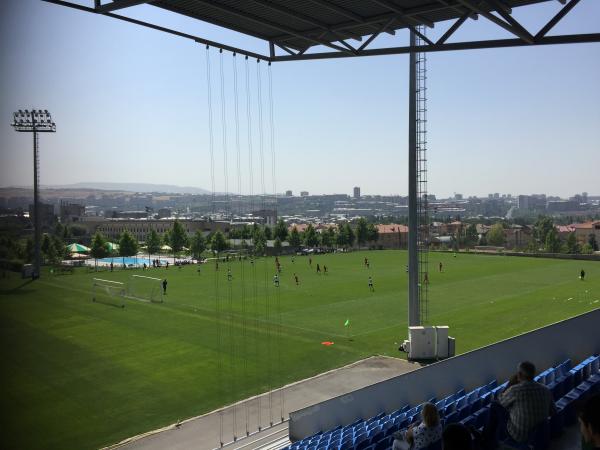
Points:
179	238
280	231
342	237
268	233
471	236
277	246
372	233
246	232
573	246
361	231
350	237
152	242
310	236
552	241
46	247
587	249
496	235
593	242
218	242
328	237
541	228
198	245
128	246
166	238
60	250
294	238
98	249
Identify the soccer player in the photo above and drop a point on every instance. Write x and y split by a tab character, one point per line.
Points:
276	280
325	269
582	275
164	285
310	261
297	280
441	266
318	269
426	278
229	276
371	288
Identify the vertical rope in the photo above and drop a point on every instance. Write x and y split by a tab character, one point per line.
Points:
241	260
278	295
228	210
216	278
251	180
265	263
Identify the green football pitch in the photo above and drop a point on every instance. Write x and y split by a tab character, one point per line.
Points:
79	374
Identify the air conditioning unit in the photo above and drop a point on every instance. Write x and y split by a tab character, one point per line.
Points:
428	343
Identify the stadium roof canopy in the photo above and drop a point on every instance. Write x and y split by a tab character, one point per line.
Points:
318	29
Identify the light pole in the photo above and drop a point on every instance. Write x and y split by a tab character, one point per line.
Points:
35	121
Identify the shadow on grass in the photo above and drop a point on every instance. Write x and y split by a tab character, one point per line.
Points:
17	290
107	303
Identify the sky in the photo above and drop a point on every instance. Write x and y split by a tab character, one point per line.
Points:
131	105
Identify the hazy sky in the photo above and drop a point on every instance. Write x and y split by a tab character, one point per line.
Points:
131	106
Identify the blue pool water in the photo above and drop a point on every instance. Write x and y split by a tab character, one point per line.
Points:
139	261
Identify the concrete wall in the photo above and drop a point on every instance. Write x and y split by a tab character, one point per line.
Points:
574	338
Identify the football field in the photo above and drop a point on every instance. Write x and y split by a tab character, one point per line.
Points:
79	374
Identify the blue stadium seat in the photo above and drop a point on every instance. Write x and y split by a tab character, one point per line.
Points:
451	418
461	402
363	444
377	437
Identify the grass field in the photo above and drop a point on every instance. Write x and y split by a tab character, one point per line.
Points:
80	375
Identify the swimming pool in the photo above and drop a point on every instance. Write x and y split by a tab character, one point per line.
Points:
130	261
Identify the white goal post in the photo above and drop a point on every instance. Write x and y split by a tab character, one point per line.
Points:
107	291
148	289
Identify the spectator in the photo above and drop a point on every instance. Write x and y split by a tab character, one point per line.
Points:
456	436
520	408
589	422
426	433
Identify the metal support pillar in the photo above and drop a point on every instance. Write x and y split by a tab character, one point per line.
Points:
37	229
413	232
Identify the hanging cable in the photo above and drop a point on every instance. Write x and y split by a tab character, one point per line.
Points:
252	260
216	278
268	324
228	210
277	292
241	260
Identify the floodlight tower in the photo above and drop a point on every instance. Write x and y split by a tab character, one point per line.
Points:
35	121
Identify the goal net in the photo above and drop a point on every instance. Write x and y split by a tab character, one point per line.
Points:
108	292
144	288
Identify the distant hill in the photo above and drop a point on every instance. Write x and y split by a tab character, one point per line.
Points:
133	187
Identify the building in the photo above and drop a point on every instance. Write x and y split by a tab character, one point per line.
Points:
583	231
70	212
303	193
517	237
139	228
356	192
289	194
392	236
265	217
562	206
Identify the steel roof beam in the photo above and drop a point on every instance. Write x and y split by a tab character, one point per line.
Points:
198	39
438	5
344	12
401	15
455	26
268	23
304	18
557	18
119	4
488	15
494	43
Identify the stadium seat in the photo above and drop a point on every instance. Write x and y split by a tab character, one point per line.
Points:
452	418
435	446
363	444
